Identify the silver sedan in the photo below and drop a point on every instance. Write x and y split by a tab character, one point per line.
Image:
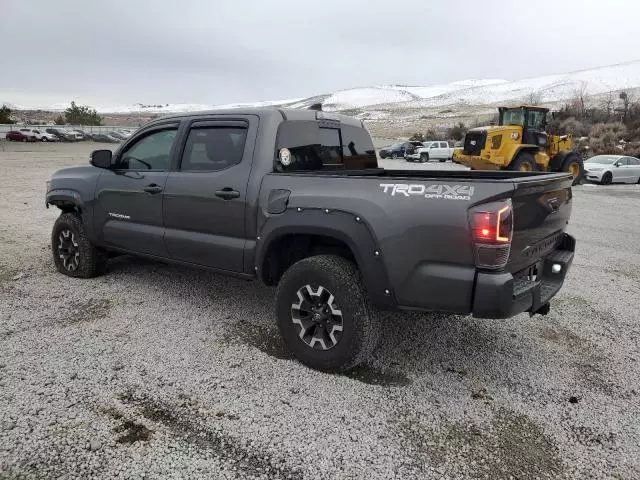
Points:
607	169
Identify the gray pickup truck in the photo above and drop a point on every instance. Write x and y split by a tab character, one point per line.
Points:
295	198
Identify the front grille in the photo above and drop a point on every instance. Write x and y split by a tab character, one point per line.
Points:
474	142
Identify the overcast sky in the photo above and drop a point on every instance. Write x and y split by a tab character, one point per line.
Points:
215	51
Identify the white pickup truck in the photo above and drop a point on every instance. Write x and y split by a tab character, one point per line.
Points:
432	150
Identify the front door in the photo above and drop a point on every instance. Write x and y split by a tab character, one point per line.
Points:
205	199
128	213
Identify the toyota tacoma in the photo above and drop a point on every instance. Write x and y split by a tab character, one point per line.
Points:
296	199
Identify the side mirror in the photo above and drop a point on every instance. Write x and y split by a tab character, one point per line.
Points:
101	158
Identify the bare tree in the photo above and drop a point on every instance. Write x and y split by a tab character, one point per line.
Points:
579	96
608	104
626	102
534	98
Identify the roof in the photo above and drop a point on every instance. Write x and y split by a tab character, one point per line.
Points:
283	113
529	107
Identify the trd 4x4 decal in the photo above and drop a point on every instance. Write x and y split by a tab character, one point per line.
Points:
446	192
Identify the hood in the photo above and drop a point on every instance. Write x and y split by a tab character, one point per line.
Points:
497	129
592	165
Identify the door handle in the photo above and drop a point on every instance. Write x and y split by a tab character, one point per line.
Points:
227	193
153	188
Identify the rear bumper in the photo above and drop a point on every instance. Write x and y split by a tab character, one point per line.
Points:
503	295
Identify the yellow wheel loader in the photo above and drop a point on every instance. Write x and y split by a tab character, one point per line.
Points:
520	142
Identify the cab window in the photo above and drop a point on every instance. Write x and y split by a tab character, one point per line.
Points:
315	147
213	148
151	152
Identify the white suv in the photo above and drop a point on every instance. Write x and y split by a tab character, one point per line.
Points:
38	134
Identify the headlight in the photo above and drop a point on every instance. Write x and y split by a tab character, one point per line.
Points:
48	184
596	169
515	135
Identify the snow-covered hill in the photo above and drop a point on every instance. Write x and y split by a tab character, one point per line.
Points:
396	98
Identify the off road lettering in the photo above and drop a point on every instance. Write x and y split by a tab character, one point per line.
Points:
436	191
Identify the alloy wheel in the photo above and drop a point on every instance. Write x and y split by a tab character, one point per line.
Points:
68	250
317	318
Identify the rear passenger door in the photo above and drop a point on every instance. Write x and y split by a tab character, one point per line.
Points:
205	198
621	170
634	169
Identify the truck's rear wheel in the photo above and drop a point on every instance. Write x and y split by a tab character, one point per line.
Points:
573	164
73	253
524	162
424	157
324	314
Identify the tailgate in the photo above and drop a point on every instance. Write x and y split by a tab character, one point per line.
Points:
541	212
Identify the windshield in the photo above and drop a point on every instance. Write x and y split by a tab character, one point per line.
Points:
603	159
513	117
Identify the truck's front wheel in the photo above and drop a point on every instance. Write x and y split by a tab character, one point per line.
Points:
324	314
73	253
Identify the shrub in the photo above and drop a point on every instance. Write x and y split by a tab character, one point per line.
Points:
5	114
458	132
82	115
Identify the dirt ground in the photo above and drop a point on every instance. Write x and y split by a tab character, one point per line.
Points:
158	371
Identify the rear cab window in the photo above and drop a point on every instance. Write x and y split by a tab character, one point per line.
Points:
315	145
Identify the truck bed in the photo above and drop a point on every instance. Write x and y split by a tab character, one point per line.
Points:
421	221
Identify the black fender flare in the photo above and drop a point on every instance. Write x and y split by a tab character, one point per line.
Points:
64	198
343	226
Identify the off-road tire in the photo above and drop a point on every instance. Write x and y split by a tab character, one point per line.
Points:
442	160
607	179
360	319
571	159
92	261
523	158
424	157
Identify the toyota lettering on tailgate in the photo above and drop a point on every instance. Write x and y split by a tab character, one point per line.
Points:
442	191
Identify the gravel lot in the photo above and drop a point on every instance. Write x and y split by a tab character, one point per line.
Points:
158	371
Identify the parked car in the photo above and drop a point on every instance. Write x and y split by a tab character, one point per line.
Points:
40	135
77	135
61	134
85	134
432	150
117	135
18	136
103	137
125	132
398	150
607	169
341	238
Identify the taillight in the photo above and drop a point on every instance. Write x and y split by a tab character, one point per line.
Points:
492	229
